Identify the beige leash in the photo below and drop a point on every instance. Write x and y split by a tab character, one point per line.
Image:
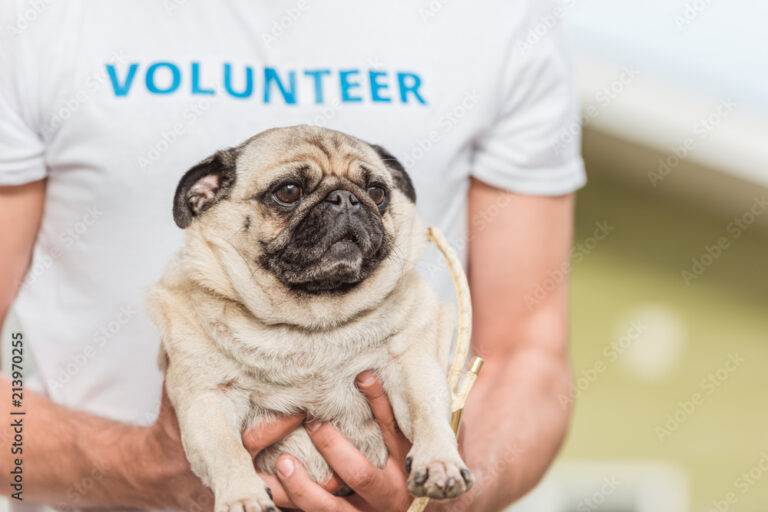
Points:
459	387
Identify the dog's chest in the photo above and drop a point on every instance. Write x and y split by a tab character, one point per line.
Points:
326	391
289	371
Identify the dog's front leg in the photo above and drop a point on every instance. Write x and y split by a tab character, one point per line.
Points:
417	387
210	433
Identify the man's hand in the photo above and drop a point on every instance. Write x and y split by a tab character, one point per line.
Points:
375	489
164	475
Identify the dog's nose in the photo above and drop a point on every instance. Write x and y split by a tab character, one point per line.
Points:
342	200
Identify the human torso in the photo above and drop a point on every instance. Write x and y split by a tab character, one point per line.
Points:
117	147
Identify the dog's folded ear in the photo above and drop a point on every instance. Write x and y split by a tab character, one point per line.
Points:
402	180
204	185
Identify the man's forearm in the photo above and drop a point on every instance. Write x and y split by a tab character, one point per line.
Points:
526	397
513	426
75	459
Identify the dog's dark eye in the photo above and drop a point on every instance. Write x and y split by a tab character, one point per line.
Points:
377	194
289	193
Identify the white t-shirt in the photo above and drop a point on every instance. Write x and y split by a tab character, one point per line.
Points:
114	101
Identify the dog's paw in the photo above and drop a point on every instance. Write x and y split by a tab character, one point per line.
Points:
438	479
251	503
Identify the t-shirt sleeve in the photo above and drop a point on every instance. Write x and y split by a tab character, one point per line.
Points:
21	147
533	145
21	150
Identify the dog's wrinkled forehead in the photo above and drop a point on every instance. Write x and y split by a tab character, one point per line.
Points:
307	154
318	152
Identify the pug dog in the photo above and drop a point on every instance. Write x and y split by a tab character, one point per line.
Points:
297	274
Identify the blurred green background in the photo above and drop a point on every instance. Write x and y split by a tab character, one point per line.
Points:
671	367
670	301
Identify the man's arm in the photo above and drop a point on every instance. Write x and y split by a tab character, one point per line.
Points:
21	209
79	460
72	458
516	417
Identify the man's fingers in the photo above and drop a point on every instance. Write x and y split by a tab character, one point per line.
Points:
333	484
371	387
270	432
351	465
305	493
280	496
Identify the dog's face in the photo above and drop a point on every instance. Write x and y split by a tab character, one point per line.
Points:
315	208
